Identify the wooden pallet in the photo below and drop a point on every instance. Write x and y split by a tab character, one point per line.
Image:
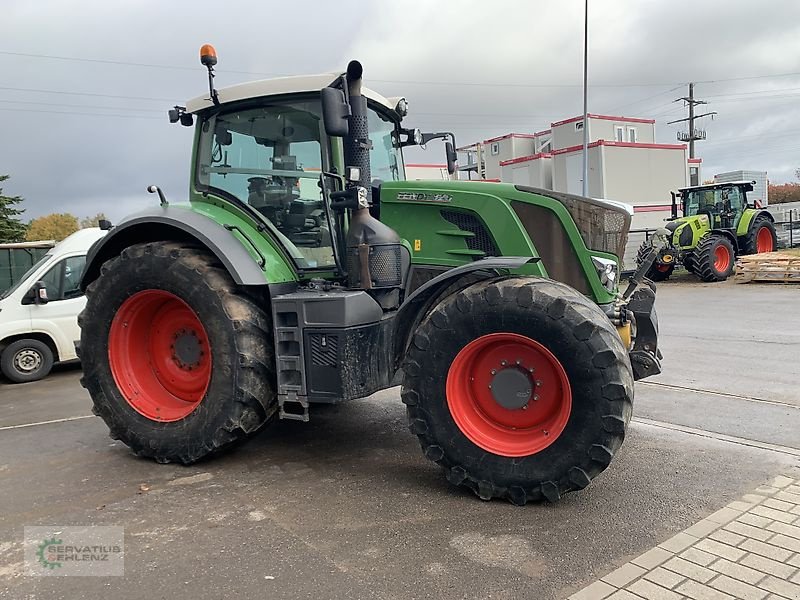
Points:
773	267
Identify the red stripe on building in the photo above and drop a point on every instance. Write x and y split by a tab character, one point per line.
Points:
603	118
521	159
695	160
652	208
545	132
621	145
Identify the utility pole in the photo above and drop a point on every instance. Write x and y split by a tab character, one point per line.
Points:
693	134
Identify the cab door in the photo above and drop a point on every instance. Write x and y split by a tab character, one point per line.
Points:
59	316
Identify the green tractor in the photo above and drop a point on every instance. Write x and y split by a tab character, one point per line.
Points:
717	225
306	270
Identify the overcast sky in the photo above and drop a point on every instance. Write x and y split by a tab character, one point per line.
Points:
85	136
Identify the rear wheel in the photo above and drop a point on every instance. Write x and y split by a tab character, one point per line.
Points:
177	361
714	258
26	360
761	237
519	388
657	272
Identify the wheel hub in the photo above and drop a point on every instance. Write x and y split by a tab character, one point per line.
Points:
27	361
186	349
512	388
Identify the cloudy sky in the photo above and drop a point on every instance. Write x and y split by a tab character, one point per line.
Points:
85	84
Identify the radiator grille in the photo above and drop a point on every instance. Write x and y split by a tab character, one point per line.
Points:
482	239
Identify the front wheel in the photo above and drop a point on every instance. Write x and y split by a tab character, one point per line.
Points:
177	360
519	388
657	272
714	258
26	360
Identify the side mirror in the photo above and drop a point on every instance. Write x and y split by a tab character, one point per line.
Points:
452	157
335	112
39	293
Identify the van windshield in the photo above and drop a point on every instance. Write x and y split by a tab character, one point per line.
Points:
27	275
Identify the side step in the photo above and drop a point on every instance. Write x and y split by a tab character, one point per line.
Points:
297	409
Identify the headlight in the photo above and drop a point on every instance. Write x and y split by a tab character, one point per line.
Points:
607	271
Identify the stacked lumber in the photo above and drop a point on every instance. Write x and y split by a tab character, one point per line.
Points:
776	267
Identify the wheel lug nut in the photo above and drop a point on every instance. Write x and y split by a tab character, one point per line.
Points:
494	371
536	396
538	383
503	363
519	362
525	407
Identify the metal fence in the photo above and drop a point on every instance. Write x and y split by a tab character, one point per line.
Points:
787	226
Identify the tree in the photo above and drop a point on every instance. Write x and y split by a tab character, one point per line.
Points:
93	221
11	228
788	192
52	227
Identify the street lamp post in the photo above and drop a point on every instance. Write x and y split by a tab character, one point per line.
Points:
585	100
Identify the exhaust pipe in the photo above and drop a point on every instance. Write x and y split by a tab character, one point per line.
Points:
357	144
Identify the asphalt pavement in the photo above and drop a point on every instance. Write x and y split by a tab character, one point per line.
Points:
347	507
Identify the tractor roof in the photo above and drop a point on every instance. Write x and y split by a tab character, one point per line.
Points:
276	87
721	184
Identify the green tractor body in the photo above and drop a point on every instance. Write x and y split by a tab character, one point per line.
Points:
717	225
305	269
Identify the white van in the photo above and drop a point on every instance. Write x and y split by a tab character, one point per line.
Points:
39	314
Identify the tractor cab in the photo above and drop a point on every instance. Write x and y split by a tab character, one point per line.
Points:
723	203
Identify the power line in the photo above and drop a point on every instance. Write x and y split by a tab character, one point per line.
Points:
409	81
152	110
16	89
86	114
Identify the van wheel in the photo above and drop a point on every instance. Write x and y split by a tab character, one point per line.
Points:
26	360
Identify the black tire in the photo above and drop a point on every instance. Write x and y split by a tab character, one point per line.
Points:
585	343
240	397
704	264
656	272
761	222
26	360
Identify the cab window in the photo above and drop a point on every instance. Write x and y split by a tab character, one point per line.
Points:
270	157
63	279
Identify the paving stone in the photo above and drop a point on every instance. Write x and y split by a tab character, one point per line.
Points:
784	541
788	497
795	578
597	591
749	531
737	589
773	513
788	530
689	569
652	558
651	591
727	537
779	504
720	549
738	571
784	588
793	489
768	550
624	595
697	591
624	575
702	528
754	498
754	520
678	542
724	515
664	578
767	566
767	489
741	505
698	557
781	481
795	560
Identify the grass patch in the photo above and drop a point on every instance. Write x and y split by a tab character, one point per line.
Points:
792	251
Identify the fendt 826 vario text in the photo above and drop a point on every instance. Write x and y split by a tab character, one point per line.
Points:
305	270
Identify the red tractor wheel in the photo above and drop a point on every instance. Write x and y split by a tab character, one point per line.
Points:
182	368
714	258
519	388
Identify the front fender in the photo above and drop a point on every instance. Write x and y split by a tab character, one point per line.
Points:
243	251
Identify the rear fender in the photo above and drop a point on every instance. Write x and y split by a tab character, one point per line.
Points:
748	217
238	245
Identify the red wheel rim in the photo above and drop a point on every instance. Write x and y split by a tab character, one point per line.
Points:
159	355
488	424
764	240
722	258
663	268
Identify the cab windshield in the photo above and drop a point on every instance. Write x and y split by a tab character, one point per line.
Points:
270	157
720	205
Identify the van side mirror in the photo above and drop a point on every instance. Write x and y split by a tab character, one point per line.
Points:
452	157
335	112
38	293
